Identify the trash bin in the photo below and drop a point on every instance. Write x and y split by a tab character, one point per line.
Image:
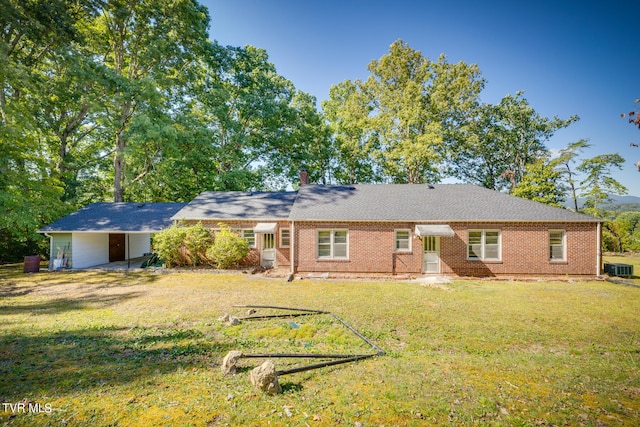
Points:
32	264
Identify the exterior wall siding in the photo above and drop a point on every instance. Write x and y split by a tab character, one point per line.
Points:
524	246
90	249
138	244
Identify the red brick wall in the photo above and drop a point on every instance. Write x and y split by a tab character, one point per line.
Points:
525	250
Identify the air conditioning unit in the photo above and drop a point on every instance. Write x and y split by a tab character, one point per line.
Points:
621	270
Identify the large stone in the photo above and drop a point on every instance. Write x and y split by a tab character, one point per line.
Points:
229	362
265	378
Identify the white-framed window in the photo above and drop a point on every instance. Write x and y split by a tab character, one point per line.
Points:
484	245
249	236
557	245
332	244
402	240
285	238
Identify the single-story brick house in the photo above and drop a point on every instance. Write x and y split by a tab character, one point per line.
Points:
449	229
446	229
101	233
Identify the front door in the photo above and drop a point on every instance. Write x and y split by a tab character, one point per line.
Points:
268	253
116	247
431	254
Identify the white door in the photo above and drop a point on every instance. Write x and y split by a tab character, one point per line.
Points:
431	254
268	253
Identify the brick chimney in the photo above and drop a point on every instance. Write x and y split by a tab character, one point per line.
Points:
304	177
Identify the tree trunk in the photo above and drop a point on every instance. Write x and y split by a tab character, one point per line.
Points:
118	169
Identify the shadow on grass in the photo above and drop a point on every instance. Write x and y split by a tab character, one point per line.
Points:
60	305
73	361
122	277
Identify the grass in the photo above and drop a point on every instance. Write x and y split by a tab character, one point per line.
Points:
144	349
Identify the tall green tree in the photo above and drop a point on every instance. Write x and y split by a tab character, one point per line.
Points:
144	46
599	184
401	116
416	101
542	182
33	35
566	160
501	141
236	125
347	111
307	145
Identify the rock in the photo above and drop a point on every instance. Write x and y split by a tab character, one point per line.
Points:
233	321
224	318
265	378
250	312
229	362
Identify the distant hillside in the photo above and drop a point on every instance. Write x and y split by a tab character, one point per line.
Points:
619	204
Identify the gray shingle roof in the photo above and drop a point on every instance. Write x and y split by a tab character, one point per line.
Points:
424	203
117	217
229	205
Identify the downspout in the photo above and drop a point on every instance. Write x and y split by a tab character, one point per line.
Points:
599	249
292	251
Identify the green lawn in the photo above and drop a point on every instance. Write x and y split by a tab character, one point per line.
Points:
144	349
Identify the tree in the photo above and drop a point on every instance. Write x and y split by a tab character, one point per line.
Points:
144	46
401	116
347	111
308	145
566	159
541	183
32	36
416	101
239	125
628	224
501	140
599	185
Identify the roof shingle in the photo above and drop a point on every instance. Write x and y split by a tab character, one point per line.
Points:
424	203
117	217
229	205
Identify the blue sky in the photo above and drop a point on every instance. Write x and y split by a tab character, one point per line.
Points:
569	57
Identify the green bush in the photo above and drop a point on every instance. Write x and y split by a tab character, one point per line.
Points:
228	247
169	245
197	241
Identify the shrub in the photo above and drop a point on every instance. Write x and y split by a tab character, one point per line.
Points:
228	247
197	241
169	245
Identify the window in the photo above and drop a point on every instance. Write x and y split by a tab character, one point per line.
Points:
557	245
332	244
484	245
285	238
249	236
402	240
